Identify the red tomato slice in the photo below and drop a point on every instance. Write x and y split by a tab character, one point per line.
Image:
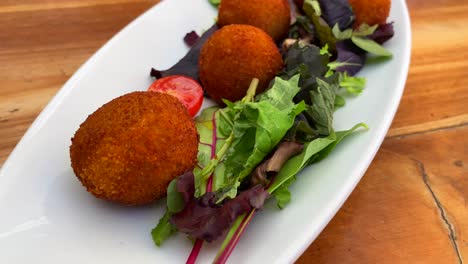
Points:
187	90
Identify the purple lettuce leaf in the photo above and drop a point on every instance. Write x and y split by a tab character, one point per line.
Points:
270	167
188	65
349	53
383	33
202	218
337	12
191	38
186	185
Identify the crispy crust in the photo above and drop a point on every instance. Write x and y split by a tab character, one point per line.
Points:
233	56
371	12
273	16
132	147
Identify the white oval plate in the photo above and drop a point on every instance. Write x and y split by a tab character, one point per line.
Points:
48	217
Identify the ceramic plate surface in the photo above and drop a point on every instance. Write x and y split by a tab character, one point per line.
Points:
48	217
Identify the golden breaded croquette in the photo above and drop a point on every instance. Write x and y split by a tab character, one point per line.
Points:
232	57
371	12
129	149
273	16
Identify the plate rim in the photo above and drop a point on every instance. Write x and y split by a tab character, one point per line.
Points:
300	244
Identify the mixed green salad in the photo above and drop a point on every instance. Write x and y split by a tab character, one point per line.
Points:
254	149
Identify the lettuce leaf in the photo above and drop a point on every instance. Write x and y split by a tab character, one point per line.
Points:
204	218
318	88
235	139
215	3
257	128
314	151
353	85
340	136
188	65
337	12
306	60
363	37
163	230
175	201
383	33
363	31
301	28
322	29
302	131
350	56
370	46
210	143
282	194
323	106
179	191
339	101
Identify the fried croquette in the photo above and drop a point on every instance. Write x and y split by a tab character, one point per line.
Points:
132	147
371	12
273	16
232	57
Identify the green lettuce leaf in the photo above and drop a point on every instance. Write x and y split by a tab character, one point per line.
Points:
215	3
363	31
370	46
340	135
307	60
323	106
282	93
301	131
209	145
297	163
323	30
257	128
216	129
175	201
319	84
342	35
163	230
353	85
282	194
339	101
234	140
314	151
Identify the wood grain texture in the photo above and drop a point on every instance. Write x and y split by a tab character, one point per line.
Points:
436	94
42	43
411	206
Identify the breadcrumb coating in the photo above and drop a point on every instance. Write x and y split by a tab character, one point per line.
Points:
371	12
273	16
233	56
129	149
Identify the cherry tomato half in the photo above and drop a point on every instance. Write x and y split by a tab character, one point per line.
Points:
187	90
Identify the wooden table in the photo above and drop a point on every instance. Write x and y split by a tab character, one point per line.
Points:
412	204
